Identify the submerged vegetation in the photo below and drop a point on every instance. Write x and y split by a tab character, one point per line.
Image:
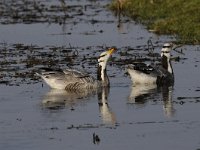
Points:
180	18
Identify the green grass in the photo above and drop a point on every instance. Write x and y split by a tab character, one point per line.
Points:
180	18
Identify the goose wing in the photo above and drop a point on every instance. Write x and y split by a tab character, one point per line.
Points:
143	67
50	73
75	73
78	76
67	79
153	70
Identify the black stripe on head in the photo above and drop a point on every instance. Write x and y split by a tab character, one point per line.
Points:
165	51
102	55
168	46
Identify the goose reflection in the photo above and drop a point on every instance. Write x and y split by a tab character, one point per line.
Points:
142	93
57	99
168	108
107	115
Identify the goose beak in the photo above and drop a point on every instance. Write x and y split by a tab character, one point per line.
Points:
111	51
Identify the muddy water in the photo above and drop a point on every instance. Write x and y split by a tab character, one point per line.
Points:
122	117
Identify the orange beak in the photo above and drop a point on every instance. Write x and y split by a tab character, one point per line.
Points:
111	50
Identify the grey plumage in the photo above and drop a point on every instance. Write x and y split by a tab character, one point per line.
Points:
67	79
71	79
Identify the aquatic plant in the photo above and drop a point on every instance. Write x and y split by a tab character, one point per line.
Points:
180	18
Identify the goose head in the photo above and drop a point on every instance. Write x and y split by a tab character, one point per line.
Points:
102	62
104	57
166	49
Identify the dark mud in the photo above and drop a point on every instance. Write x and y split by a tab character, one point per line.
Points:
20	62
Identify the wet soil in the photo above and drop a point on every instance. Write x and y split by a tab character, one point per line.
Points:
48	33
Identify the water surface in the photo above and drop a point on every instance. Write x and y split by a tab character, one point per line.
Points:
123	117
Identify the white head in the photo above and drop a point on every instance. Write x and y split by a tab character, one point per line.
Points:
166	49
103	58
102	61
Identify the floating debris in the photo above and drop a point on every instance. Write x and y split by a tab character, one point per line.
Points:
19	62
96	139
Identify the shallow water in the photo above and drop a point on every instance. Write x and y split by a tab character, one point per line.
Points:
123	117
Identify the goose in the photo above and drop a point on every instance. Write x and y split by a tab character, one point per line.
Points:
71	79
142	73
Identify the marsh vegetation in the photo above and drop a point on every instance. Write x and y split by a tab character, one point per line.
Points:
178	17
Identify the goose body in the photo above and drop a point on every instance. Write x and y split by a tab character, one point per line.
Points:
70	79
142	73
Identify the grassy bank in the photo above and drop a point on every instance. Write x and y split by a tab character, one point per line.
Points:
175	17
